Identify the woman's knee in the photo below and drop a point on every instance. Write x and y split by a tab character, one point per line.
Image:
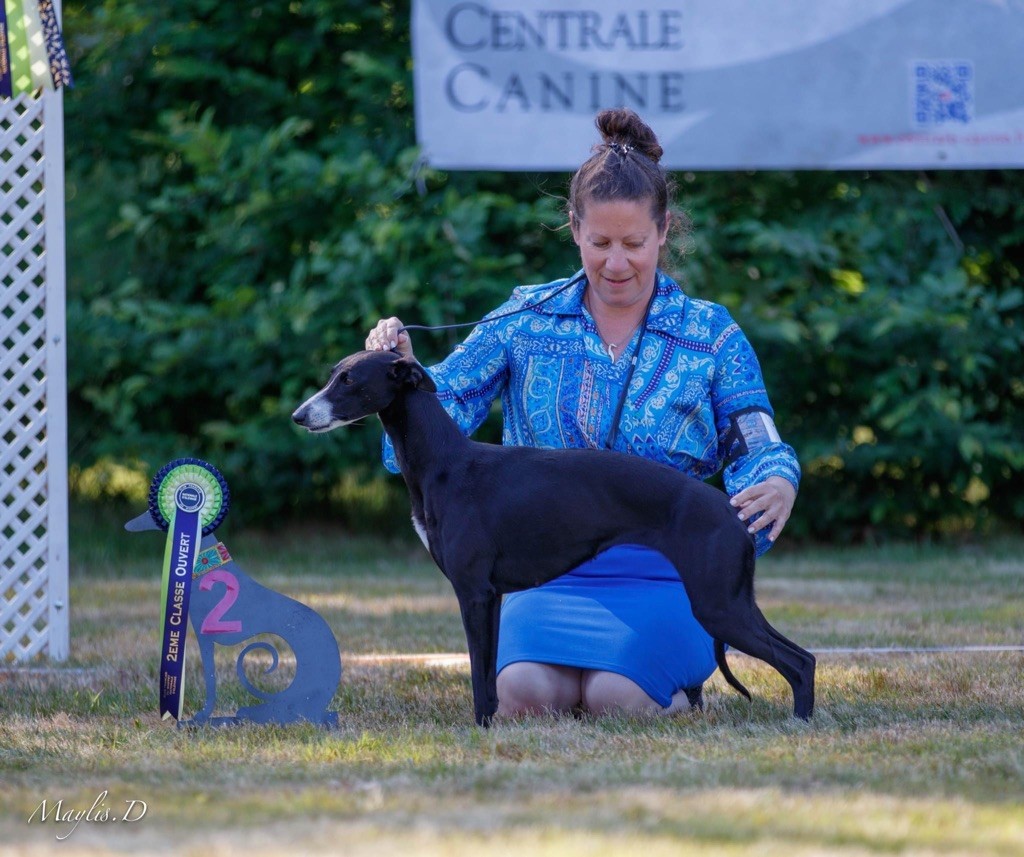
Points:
529	688
611	693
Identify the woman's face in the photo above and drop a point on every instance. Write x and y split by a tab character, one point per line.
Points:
619	243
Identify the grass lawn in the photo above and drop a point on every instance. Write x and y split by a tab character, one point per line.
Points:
908	753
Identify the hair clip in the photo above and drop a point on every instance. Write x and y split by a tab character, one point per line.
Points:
620	149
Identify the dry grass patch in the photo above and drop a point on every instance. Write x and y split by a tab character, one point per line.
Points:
907	754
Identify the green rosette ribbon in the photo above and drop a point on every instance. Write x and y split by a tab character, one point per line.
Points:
188	498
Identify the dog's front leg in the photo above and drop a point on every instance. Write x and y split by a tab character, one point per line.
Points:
480	613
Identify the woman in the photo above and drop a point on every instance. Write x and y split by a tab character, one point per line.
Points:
618	357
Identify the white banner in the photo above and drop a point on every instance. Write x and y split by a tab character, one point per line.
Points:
725	84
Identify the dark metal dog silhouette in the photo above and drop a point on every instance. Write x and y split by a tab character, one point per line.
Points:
498	519
227	607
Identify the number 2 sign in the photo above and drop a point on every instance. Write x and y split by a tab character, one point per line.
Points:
227	607
214	622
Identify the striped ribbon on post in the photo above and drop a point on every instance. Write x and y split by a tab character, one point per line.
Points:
60	68
188	498
32	52
6	87
179	559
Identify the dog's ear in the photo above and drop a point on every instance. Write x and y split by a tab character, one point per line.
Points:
405	370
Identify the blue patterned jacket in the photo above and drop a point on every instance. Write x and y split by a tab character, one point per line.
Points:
559	387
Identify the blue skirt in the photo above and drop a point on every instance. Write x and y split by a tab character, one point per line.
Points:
625	611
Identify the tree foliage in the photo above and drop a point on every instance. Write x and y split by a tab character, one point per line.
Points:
887	312
246	197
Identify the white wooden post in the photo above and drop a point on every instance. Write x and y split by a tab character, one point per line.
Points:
33	381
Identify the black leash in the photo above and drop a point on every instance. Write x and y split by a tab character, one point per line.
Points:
629	375
613	433
434	327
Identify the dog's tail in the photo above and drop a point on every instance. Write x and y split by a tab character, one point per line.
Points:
724	667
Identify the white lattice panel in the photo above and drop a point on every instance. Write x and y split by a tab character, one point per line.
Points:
33	421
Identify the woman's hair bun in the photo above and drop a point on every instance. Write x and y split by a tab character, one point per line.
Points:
624	127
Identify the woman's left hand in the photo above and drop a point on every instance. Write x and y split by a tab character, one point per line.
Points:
774	497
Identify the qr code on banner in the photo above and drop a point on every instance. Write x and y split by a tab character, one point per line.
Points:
943	92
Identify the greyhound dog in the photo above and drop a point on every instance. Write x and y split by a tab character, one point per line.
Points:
499	519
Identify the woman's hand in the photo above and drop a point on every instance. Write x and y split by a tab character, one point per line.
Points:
774	497
388	335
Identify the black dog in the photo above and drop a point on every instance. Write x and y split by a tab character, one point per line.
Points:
499	519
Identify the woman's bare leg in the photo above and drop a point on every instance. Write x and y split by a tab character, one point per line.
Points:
529	688
611	693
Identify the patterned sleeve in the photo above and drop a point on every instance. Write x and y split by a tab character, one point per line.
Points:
748	442
471	377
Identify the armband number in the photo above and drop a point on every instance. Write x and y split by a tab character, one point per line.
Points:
749	430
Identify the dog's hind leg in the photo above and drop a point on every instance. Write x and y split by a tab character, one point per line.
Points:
480	617
720	583
748	631
803	665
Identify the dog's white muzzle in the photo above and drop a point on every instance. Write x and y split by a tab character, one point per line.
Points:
315	416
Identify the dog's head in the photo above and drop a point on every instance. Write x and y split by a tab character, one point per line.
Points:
361	384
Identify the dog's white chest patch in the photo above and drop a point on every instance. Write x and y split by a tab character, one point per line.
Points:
421	531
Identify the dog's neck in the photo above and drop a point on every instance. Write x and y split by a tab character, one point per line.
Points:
422	432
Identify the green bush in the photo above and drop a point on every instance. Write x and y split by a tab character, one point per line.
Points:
245	198
244	230
888	314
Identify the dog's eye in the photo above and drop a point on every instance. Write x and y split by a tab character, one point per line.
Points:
346	379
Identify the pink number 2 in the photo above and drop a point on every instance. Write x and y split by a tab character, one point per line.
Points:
214	622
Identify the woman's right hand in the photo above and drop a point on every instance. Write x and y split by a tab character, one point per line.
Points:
387	335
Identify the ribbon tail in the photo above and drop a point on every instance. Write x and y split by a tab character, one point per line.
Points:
18	59
180	555
6	83
39	63
60	67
